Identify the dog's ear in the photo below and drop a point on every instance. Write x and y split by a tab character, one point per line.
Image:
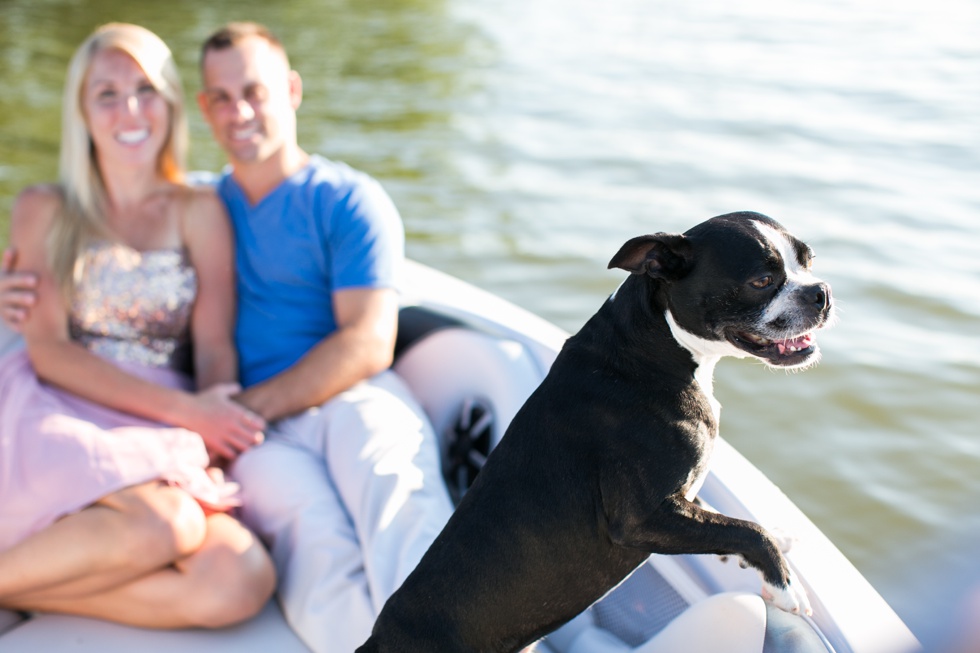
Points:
662	256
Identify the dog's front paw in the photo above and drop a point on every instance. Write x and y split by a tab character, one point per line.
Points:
792	598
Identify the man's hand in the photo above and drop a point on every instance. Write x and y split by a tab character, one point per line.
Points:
18	292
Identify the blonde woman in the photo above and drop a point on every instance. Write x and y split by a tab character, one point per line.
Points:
108	507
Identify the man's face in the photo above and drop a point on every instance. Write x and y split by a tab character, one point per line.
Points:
249	99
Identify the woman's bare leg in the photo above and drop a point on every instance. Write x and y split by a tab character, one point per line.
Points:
123	536
227	580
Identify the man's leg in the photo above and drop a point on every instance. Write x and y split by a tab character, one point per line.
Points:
383	458
291	503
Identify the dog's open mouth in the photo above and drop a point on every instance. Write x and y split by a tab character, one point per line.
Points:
782	352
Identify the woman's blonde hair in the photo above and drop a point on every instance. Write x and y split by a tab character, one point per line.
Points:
82	217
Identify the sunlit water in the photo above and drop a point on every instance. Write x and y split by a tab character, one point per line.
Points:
524	141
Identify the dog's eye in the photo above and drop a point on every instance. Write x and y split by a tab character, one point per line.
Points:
762	282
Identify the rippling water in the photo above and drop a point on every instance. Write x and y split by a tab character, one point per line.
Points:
525	141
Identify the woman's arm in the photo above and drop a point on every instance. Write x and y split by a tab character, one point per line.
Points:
226	427
206	231
55	357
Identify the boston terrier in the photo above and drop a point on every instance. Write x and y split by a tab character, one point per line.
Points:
601	465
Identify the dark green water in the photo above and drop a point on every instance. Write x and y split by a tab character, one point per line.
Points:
525	141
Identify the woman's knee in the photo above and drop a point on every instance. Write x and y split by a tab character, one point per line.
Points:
234	575
160	523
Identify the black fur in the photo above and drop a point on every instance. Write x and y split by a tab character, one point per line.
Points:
591	476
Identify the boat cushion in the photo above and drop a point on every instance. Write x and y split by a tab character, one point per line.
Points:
790	633
9	619
452	365
48	632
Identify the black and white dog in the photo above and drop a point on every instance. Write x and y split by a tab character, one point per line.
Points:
600	467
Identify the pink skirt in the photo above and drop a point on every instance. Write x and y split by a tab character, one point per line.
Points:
60	453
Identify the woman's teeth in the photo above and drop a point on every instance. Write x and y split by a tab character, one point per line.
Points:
132	137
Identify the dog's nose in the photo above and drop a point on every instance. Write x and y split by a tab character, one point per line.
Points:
817	295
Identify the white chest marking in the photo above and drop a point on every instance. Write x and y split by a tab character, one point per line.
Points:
706	354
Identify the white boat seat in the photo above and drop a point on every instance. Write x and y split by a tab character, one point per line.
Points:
786	633
470	384
9	619
733	622
451	365
267	631
659	608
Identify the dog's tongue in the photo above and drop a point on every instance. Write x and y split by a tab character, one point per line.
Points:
795	344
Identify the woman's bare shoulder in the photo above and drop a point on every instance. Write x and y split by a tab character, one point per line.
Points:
202	201
203	218
35	208
39	197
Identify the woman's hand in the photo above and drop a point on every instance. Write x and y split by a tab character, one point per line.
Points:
227	427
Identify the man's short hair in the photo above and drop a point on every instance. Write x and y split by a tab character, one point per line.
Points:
232	33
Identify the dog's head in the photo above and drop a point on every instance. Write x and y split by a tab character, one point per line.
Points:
736	285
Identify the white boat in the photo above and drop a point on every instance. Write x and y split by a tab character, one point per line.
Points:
457	344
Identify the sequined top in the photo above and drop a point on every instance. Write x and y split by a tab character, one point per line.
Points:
133	306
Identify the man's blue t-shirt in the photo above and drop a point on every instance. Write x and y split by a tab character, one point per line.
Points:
327	227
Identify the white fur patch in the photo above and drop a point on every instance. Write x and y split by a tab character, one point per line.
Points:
706	354
702	349
784	304
792	598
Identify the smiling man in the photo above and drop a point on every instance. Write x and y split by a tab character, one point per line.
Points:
346	490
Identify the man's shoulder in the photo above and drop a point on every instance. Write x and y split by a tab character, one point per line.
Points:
344	191
339	175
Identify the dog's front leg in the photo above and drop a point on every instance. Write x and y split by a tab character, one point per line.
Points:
679	526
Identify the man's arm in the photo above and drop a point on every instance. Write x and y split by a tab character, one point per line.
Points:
363	345
18	291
